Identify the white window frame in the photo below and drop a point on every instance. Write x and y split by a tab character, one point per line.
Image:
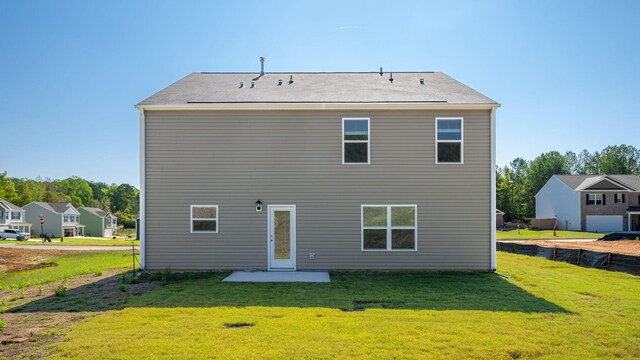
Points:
14	217
217	219
389	227
617	198
461	141
368	141
595	199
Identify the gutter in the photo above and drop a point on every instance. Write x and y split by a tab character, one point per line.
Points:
200	106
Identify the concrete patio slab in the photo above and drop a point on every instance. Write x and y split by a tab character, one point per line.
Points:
279	276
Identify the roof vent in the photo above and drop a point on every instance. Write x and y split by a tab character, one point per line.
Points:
380	70
253	84
290	79
279	82
421	81
391	78
241	84
261	66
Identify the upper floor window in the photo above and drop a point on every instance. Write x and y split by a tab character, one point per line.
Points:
355	141
204	218
595	199
618	198
449	141
16	216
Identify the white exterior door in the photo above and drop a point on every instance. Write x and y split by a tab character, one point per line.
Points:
282	237
604	223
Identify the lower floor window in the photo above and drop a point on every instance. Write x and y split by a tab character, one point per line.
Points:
204	218
389	227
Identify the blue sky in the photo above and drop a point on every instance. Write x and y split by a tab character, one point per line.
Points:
566	72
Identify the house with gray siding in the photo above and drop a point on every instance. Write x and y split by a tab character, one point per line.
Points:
598	203
98	222
60	219
301	171
13	217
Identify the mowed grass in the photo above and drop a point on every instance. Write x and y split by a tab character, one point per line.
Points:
86	241
65	266
526	234
544	309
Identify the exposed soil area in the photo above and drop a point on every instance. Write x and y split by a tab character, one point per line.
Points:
36	318
627	247
20	259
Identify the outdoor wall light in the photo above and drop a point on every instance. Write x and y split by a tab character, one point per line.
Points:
258	206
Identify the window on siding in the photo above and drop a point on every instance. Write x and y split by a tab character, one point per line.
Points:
355	141
618	198
594	199
449	146
204	218
15	215
389	227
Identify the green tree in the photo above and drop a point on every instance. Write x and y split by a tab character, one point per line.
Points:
8	188
78	190
619	159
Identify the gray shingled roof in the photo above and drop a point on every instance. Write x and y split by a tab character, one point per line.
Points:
325	87
96	211
574	181
57	207
10	205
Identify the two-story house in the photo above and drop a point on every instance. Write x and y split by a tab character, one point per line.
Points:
13	217
286	171
98	222
598	203
60	219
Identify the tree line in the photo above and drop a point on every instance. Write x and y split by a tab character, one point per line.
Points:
120	200
518	182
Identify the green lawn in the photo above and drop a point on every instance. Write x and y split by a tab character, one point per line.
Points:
66	266
544	309
91	241
526	234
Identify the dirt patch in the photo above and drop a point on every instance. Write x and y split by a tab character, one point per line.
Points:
627	247
23	259
36	318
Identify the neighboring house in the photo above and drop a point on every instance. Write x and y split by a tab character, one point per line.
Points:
59	218
13	217
499	218
98	222
286	171
599	203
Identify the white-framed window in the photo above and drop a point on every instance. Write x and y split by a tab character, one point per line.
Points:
204	218
449	141
15	215
618	198
595	199
66	218
389	227
355	141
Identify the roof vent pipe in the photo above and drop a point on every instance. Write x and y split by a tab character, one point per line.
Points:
261	66
421	81
380	70
253	84
290	79
241	84
391	78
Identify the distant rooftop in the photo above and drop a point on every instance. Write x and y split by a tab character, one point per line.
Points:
318	87
579	182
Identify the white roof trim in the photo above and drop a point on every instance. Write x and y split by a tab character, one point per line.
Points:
318	106
592	181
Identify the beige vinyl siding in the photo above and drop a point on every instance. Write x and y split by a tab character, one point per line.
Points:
232	159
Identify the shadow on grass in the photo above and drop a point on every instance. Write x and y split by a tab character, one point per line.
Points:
348	291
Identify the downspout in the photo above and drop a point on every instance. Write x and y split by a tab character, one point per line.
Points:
142	190
493	189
